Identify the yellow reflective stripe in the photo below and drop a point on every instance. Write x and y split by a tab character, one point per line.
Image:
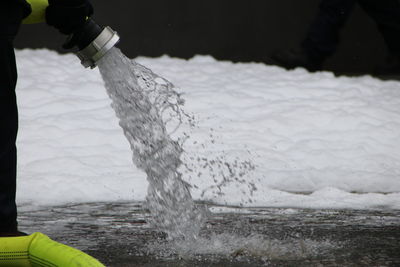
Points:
14	251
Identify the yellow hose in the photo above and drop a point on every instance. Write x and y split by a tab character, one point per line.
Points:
38	11
39	250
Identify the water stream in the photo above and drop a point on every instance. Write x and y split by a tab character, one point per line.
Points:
145	103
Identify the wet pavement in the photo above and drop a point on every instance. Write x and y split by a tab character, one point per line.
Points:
117	234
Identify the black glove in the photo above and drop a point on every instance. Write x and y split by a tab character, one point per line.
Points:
68	15
27	7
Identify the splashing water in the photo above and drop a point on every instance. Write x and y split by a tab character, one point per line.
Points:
144	103
234	246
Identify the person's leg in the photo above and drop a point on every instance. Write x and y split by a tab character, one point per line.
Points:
323	35
10	18
386	14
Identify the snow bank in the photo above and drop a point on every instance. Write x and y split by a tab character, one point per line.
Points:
314	140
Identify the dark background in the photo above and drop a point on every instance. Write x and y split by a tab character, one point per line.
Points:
226	29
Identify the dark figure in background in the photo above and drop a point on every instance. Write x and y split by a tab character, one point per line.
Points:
66	16
323	36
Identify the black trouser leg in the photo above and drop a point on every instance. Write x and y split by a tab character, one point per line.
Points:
10	18
8	134
323	36
386	14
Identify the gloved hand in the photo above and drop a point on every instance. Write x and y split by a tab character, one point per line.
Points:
27	8
68	15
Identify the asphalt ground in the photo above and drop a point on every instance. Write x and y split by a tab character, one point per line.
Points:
117	234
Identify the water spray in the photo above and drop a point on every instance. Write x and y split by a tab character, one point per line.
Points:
139	101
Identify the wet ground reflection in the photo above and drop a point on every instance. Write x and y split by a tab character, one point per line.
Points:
117	234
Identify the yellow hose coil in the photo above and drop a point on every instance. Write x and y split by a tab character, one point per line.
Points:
38	250
38	11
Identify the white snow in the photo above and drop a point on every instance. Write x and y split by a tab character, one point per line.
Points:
316	141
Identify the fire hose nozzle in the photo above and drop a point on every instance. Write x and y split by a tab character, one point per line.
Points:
93	42
91	54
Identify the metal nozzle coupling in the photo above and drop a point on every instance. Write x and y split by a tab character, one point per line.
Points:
92	53
93	42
